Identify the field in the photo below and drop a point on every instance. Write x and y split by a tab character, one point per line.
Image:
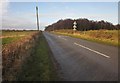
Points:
109	37
12	36
26	57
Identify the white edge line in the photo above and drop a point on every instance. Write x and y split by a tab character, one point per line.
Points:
92	50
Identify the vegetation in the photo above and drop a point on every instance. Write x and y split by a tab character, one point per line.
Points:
98	31
9	40
13	55
26	58
6	33
102	36
39	66
13	36
82	25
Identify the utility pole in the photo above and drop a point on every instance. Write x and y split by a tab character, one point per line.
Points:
37	18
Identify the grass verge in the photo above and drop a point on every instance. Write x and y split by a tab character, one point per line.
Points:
39	66
108	37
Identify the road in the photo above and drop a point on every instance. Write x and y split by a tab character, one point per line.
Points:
82	60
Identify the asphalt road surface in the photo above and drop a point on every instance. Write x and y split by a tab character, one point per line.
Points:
82	60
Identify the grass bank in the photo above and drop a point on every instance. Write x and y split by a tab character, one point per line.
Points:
39	66
14	53
109	37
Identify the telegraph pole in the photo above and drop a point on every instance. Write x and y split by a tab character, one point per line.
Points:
37	18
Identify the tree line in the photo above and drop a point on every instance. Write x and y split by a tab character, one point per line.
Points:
82	25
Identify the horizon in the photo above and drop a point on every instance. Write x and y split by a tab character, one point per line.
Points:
22	15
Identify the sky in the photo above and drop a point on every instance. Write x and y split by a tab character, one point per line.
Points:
22	15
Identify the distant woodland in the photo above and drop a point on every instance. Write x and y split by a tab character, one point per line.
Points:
82	25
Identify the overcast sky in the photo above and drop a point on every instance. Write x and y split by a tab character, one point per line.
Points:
21	15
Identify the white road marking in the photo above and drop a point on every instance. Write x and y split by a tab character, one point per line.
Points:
59	36
64	38
92	50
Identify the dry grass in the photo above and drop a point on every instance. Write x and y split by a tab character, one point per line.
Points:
39	66
13	54
10	36
109	37
28	59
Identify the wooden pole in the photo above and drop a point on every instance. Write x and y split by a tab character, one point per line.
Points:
37	18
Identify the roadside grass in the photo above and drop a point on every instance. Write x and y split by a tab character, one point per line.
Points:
109	37
39	66
14	53
9	40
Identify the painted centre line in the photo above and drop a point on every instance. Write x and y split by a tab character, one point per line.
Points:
92	50
59	36
64	38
